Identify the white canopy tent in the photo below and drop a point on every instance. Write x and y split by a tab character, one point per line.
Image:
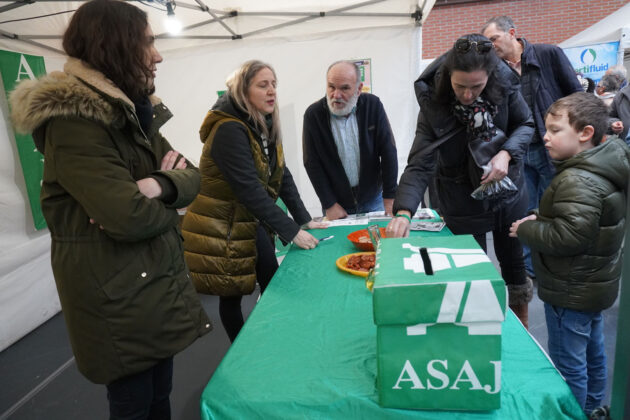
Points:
614	27
300	39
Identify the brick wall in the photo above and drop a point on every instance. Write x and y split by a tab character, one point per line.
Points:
547	21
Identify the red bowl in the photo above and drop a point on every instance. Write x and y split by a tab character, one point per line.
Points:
361	239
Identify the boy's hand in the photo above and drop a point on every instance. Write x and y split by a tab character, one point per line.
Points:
516	224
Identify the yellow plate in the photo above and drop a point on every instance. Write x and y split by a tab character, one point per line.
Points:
341	264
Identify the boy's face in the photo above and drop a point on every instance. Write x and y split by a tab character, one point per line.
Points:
562	141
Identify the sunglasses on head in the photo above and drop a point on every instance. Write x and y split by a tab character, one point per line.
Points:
463	45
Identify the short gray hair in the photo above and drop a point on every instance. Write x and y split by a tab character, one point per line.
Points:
504	23
611	82
356	68
619	70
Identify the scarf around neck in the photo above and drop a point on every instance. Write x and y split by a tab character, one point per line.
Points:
477	117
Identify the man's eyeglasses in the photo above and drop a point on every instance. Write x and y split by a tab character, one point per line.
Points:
464	45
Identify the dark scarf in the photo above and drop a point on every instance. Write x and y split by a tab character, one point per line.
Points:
477	117
144	112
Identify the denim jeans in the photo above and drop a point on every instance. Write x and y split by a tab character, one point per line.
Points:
375	204
144	395
538	175
576	346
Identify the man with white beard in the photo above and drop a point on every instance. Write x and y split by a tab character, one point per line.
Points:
349	148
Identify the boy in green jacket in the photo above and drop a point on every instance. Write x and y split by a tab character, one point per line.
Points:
576	239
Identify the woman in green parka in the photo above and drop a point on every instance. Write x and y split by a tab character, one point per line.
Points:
110	192
228	228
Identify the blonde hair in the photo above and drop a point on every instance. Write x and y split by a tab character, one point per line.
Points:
238	84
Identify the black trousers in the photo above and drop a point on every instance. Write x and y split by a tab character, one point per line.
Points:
144	395
509	252
266	265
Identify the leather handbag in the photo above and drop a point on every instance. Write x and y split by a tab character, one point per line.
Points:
482	151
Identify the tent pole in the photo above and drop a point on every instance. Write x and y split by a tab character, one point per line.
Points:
196	25
17	37
15	5
321	14
214	15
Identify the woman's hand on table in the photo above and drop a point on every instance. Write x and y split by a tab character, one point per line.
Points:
316	225
398	227
305	240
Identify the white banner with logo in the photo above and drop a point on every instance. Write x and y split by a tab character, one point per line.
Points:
593	60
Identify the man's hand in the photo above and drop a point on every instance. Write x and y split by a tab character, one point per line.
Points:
305	240
336	212
516	224
169	161
316	225
398	227
388	203
499	170
617	127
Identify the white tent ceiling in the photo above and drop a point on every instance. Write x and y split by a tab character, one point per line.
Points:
211	21
608	29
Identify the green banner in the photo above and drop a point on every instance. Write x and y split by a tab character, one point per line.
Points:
15	67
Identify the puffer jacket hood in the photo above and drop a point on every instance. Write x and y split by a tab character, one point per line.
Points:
424	85
78	91
609	160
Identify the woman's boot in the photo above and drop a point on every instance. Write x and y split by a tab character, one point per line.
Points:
519	297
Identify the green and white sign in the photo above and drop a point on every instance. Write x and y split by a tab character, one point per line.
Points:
439	335
14	68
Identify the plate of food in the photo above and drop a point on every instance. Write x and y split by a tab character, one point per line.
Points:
358	263
361	239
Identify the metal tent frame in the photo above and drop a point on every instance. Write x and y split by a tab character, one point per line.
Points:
221	16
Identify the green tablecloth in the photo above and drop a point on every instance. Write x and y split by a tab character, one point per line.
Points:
308	351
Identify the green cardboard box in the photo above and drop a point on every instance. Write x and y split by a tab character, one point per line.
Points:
438	336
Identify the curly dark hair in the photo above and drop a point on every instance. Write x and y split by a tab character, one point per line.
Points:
110	36
470	61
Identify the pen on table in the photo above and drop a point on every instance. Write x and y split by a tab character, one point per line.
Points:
325	238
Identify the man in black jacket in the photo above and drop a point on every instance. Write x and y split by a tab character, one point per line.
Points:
349	149
546	75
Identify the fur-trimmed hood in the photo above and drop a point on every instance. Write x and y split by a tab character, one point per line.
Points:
78	91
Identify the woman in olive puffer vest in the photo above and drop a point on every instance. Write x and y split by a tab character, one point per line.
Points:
228	228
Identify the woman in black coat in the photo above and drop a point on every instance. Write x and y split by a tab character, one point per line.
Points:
470	94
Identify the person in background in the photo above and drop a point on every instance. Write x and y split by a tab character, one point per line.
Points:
228	230
546	74
587	83
607	88
470	84
620	109
620	71
349	149
576	237
110	193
